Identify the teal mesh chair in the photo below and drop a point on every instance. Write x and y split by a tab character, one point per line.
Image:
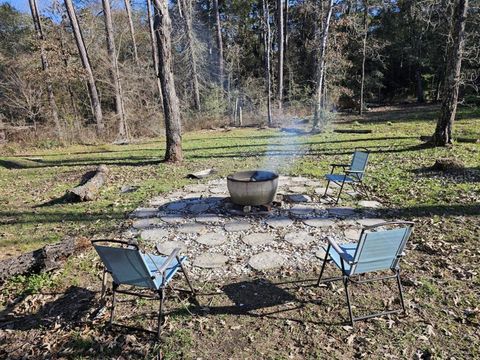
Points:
353	173
131	268
379	249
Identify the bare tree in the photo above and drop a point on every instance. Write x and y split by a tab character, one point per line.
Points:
280	44
154	47
267	45
92	87
188	24
173	130
43	57
443	131
218	26
114	72
364	55
128	8
321	66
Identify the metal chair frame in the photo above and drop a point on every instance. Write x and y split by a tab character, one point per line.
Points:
158	294
356	176
347	278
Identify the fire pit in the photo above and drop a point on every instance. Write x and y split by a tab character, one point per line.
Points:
254	188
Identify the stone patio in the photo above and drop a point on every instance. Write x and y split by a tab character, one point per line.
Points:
221	241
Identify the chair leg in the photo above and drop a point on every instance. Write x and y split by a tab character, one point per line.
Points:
350	312
326	189
323	266
114	302
104	284
340	192
399	283
160	311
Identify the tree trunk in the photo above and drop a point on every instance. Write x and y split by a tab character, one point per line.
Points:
90	185
364	55
43	57
285	52
171	109
218	27
321	68
266	44
280	44
92	87
154	49
128	8
114	72
419	81
188	22
443	131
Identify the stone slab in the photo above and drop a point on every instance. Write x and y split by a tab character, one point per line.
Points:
198	208
212	239
321	190
142	213
146	223
154	234
266	260
172	219
302	210
319	222
320	253
297	189
352	234
370	221
299	238
298	198
196	188
176	205
370	204
342	211
208	219
191	228
166	248
258	239
210	260
238	225
279	221
219	190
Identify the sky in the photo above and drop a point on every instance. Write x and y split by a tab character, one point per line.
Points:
22	5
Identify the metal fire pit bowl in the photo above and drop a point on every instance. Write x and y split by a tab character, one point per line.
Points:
254	188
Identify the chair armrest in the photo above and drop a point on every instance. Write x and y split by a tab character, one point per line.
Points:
339	250
340	165
354	171
170	258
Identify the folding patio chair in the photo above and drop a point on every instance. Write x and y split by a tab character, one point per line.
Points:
376	250
352	174
128	266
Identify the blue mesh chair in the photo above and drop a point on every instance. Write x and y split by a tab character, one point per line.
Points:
353	173
376	250
128	266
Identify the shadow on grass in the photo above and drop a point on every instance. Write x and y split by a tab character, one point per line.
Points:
26	217
466	175
431	210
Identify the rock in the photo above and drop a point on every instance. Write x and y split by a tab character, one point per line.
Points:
318	222
142	213
210	260
166	248
266	260
238	225
302	210
297	189
208	219
219	190
298	198
299	238
212	239
355	194
172	219
342	211
279	221
154	234
159	201
258	239
370	221
321	190
176	206
352	234
146	223
198	208
196	188
191	228
369	204
128	188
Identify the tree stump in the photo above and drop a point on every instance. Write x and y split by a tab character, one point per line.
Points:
449	165
89	187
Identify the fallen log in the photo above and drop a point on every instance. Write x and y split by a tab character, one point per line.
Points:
91	183
48	258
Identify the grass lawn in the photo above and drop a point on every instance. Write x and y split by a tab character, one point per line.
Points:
440	272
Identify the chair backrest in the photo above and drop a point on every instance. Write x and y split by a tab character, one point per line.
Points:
359	161
380	250
125	264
